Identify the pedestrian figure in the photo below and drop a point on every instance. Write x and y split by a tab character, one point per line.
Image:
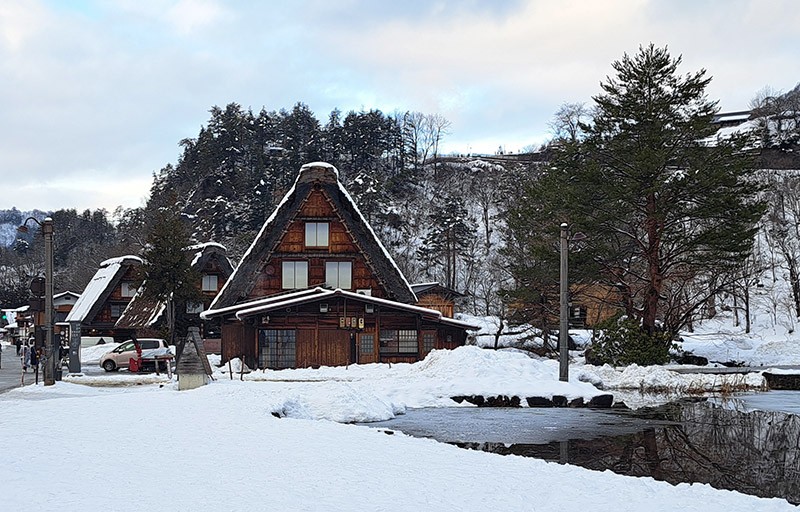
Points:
18	344
26	356
24	359
35	363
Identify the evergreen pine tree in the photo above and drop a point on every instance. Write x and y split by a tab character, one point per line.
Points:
662	203
167	272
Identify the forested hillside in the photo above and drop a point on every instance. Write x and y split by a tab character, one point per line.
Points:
487	226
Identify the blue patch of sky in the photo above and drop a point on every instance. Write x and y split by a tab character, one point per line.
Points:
88	8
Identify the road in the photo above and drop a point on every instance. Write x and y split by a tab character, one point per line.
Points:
11	369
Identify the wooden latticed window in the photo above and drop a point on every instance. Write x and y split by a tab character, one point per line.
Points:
428	341
277	348
367	343
399	341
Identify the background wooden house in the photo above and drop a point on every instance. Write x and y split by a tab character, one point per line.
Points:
63	303
435	296
317	287
146	316
106	296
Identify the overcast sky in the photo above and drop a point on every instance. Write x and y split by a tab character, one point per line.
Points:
96	94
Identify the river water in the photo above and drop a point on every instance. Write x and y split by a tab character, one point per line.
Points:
726	444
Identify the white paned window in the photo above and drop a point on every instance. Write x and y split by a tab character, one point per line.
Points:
295	275
210	283
339	274
128	289
316	234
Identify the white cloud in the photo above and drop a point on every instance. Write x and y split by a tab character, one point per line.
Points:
187	16
112	87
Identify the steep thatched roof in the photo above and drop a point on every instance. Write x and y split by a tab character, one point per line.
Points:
325	177
100	287
143	312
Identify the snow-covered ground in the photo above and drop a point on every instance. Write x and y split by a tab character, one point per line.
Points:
222	447
283	440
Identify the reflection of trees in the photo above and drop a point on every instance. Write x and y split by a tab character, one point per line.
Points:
756	453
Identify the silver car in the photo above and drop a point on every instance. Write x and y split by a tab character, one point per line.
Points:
120	357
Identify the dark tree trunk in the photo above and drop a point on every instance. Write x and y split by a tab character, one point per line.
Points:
656	277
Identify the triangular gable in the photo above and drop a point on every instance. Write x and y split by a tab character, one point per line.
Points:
144	312
315	176
107	277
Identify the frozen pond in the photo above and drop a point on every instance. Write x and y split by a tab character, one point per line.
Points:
728	444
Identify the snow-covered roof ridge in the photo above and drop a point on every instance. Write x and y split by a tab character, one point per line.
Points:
120	260
286	300
66	292
204	245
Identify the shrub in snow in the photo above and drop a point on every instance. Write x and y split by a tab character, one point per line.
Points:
622	341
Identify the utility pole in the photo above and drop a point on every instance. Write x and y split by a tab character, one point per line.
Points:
563	329
52	352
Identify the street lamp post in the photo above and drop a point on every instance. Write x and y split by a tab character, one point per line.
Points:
51	351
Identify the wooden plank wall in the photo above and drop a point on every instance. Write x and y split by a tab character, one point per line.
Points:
239	339
437	303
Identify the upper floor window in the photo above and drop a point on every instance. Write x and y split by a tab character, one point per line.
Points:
128	289
317	234
294	275
339	274
209	283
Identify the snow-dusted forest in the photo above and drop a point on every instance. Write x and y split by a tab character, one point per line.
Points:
468	221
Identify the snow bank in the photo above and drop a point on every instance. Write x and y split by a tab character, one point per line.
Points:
432	382
660	379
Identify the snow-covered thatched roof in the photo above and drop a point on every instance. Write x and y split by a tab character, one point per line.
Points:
100	287
325	177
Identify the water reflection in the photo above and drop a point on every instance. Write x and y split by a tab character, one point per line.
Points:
753	452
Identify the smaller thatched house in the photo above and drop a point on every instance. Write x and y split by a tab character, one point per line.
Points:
101	304
146	317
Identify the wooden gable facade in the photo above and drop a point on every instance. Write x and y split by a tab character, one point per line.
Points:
438	297
317	209
317	288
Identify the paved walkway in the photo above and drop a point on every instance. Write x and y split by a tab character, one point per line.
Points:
11	369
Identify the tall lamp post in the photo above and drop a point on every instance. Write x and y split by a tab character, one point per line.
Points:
563	328
51	351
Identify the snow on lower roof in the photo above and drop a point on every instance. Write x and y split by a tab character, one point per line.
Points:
205	315
284	301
